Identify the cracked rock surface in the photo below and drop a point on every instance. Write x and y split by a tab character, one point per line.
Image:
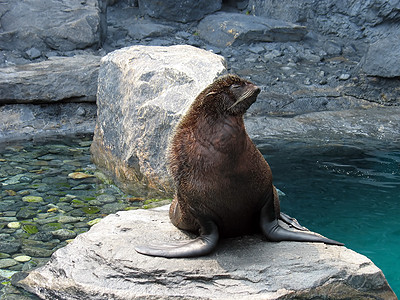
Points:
101	264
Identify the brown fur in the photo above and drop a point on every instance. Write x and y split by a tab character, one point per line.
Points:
218	171
223	184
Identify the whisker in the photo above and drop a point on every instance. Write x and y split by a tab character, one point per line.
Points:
247	94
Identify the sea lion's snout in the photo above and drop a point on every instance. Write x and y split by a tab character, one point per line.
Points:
251	90
257	90
248	91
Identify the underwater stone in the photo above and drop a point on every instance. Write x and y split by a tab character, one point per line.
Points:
13	180
77	212
7	205
9	246
22	258
14	225
82	187
26	213
31	229
32	199
37	251
112	207
7	262
51	227
106	198
42	236
4	255
69	219
90	210
46	220
79	175
77	203
64	234
94	222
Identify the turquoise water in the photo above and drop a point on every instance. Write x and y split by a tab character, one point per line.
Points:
345	193
65	205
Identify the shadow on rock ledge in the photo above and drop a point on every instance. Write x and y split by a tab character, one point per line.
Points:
101	264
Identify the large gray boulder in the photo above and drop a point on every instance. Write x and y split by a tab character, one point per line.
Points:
52	24
231	29
179	10
142	93
383	56
350	19
101	264
59	78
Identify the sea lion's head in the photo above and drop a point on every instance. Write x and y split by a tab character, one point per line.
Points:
229	94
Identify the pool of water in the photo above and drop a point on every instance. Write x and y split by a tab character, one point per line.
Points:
50	192
350	194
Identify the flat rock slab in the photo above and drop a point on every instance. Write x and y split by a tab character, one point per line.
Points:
59	78
179	10
383	56
31	121
360	126
101	264
231	29
145	29
52	24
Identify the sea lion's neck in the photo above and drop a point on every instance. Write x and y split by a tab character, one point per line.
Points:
225	134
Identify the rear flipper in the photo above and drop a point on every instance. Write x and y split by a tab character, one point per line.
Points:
292	222
276	233
202	245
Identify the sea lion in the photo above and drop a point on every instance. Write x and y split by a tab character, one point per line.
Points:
223	183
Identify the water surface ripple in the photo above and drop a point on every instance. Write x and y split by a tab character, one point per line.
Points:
348	193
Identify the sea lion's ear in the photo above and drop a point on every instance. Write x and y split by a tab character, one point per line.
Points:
208	98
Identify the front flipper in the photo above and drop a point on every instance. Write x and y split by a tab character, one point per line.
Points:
202	245
276	233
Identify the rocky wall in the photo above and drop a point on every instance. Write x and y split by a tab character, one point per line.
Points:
355	19
74	24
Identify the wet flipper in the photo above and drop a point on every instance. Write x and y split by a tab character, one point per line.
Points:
276	233
292	222
202	245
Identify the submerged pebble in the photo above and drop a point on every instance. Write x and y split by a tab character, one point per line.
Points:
79	175
34	199
49	193
64	234
7	262
14	225
22	258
